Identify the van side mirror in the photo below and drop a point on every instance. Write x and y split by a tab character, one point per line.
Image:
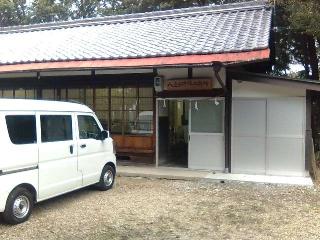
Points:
103	135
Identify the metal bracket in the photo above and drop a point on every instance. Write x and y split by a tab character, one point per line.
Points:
216	68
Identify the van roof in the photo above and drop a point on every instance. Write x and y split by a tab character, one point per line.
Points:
41	105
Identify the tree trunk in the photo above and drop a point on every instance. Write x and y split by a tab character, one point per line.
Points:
306	58
314	61
305	55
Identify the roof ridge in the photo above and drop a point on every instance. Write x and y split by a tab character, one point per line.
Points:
248	5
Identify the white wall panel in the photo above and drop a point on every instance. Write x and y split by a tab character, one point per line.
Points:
285	136
206	151
249	118
262	90
286	117
171	73
285	156
248	136
248	155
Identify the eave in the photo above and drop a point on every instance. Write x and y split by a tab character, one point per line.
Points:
154	62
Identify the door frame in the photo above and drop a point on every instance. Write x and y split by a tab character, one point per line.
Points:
157	124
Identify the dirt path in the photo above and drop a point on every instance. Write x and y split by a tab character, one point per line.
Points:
139	208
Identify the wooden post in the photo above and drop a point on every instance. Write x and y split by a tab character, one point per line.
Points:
39	89
227	123
154	121
308	136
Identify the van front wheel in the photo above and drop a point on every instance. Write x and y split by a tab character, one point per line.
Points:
19	206
107	178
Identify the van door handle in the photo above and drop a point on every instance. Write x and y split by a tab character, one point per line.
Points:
71	149
83	145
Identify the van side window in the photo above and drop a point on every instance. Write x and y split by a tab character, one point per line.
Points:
88	127
22	128
56	128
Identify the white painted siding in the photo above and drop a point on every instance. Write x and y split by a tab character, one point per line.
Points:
261	90
268	136
171	73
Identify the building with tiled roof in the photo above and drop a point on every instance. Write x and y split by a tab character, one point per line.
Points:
211	30
172	87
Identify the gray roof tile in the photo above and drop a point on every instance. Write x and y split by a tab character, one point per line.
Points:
202	30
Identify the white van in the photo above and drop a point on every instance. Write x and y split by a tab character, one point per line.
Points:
49	148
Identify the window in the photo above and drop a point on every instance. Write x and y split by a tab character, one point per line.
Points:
88	127
20	93
144	120
49	94
22	129
116	110
102	106
207	116
31	94
123	110
7	93
56	128
131	110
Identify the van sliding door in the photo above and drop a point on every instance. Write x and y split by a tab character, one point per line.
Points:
58	171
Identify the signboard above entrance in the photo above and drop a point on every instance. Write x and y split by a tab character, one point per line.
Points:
188	84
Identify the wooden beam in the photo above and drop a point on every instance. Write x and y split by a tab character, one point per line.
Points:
144	79
218	92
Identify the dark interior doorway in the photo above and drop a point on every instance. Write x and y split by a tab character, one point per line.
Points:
173	133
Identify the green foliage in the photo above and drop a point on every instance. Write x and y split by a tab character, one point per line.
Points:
109	7
13	12
297	31
85	8
49	10
304	15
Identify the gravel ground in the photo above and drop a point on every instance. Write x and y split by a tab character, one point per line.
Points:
139	208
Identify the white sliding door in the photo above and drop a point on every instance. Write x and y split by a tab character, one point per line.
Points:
206	145
268	136
248	136
285	136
